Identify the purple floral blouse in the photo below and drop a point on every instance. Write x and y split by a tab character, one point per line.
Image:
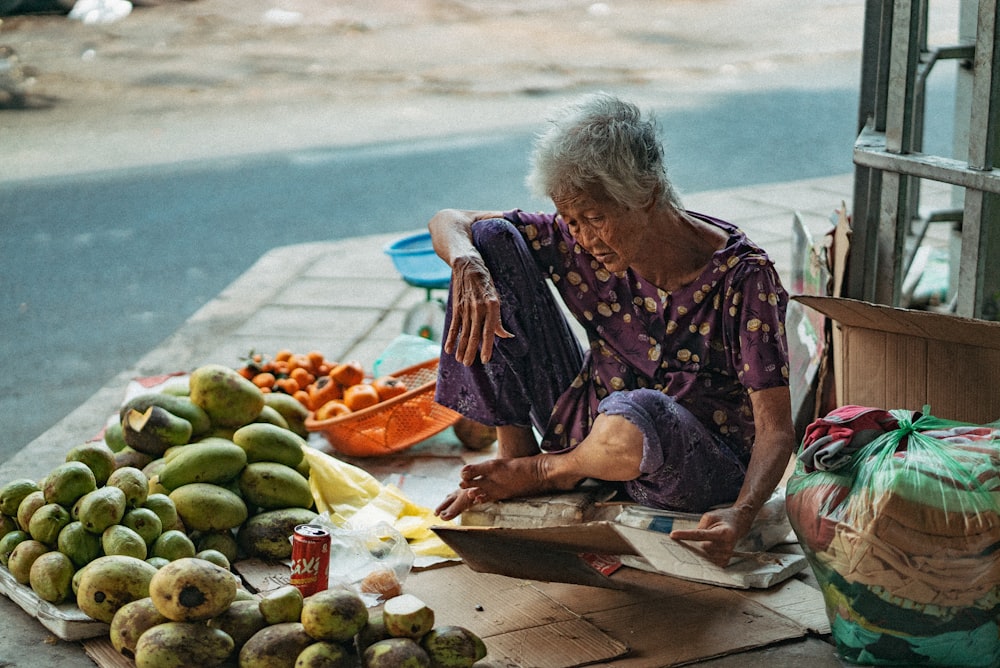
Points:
707	345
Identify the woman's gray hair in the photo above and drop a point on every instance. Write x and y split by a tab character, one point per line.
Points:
601	145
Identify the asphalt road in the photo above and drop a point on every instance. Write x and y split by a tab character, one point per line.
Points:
98	268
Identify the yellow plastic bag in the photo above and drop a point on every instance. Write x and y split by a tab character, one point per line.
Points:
353	496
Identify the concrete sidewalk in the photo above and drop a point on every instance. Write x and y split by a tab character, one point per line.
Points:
346	299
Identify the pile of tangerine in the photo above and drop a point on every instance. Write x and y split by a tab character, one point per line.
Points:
325	387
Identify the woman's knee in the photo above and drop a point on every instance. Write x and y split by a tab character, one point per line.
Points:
488	233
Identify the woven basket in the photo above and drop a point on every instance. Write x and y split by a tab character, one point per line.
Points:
392	425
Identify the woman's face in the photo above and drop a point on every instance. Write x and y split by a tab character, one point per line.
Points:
610	232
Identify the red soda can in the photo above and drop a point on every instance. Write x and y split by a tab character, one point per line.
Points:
310	558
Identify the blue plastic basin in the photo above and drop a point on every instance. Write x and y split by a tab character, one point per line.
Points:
416	261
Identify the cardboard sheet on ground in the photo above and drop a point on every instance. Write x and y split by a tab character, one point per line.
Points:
558	554
558	625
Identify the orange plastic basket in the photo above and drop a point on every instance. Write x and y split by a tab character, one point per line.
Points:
392	425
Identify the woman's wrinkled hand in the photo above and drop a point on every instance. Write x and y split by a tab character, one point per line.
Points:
475	318
717	534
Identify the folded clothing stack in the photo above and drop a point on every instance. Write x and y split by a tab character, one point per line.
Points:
899	516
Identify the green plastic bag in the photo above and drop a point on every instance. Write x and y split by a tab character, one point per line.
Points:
904	542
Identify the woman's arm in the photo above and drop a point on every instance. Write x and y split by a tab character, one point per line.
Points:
474	300
720	530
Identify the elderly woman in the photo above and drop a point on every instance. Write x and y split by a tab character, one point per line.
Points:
682	396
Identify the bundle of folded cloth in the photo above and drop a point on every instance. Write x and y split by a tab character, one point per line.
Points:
899	516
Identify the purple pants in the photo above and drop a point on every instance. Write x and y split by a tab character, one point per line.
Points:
685	467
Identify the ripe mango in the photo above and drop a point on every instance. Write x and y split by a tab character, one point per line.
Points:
81	546
67	482
47	522
240	621
275	646
22	557
283	604
96	455
291	409
203	506
119	539
270	485
265	442
51	577
214	556
7	525
9	542
132	458
192	590
130	622
132	481
396	653
110	582
101	508
13	492
324	655
266	535
154	430
144	522
179	405
164	508
215	461
29	504
336	615
229	399
221	541
172	544
182	644
270	415
453	647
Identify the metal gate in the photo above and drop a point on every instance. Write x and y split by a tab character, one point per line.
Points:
888	225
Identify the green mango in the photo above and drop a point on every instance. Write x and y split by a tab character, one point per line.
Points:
13	492
229	399
97	455
215	461
203	506
100	509
291	409
270	485
67	482
265	442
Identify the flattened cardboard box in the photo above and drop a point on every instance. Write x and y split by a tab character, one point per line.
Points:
890	358
560	554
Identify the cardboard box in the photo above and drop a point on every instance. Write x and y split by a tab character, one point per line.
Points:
890	358
565	554
805	328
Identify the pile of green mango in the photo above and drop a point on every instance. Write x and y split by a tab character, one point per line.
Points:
195	615
214	469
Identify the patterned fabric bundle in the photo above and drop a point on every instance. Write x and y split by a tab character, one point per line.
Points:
899	516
